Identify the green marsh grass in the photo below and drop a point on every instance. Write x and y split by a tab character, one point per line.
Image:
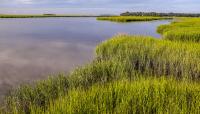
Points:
152	56
184	29
151	69
143	96
131	18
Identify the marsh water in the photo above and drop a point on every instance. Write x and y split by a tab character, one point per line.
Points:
34	48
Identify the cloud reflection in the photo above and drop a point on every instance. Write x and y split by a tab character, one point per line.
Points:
33	61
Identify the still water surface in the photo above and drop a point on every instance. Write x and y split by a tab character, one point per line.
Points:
31	49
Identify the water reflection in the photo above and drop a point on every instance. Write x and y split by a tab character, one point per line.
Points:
31	49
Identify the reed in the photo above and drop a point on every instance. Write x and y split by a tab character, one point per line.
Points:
153	57
149	96
184	29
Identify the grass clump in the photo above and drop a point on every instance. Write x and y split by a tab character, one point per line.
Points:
130	74
20	100
183	34
153	57
185	29
131	18
151	96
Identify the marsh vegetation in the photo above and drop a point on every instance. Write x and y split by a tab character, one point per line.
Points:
34	48
131	18
130	74
183	29
127	69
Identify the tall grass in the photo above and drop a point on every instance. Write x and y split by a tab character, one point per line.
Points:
131	18
143	96
183	34
153	57
132	58
185	29
39	94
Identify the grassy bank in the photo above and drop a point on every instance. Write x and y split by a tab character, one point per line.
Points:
151	96
130	74
131	18
40	16
183	29
153	57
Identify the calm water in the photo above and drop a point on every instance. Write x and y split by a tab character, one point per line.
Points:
31	49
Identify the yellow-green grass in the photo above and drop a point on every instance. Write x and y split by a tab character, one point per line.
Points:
152	56
143	96
39	16
131	18
136	59
185	29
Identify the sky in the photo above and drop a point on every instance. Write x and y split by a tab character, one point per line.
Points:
97	6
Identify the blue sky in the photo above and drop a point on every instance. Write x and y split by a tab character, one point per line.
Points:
97	6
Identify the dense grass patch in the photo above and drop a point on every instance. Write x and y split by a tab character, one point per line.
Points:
183	34
153	57
130	68
39	94
131	18
185	29
150	96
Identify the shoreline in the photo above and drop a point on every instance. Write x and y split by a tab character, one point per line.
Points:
112	66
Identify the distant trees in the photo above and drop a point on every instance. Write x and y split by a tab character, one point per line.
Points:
160	14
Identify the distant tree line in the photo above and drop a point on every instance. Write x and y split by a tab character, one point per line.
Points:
160	14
